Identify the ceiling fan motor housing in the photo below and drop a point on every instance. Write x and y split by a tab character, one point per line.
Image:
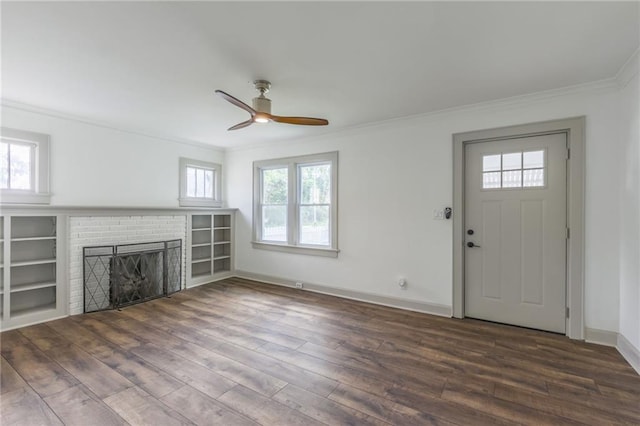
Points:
262	104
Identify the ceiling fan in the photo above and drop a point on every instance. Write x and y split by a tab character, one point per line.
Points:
261	111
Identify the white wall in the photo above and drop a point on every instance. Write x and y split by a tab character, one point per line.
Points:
99	166
630	207
391	177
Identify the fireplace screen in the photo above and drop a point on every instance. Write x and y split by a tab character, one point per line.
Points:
117	276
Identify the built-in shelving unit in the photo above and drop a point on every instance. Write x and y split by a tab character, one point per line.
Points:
30	290
210	247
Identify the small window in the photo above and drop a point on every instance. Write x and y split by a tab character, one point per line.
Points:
199	183
513	170
24	167
295	204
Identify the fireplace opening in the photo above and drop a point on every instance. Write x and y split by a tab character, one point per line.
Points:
122	275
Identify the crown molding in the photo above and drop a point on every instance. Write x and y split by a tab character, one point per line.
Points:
608	84
8	103
629	70
613	83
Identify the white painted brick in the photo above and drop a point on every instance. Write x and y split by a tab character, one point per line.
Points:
112	230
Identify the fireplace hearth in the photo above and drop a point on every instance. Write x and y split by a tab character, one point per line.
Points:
123	275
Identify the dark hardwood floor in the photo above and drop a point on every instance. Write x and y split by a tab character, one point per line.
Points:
238	352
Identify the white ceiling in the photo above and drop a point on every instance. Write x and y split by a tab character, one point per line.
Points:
153	66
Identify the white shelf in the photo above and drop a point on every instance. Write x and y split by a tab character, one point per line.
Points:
32	286
33	262
33	239
31	291
15	313
215	243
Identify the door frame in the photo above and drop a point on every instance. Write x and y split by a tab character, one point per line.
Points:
575	133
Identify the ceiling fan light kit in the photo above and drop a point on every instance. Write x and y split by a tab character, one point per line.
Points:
261	111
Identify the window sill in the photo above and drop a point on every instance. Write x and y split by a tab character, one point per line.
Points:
11	197
196	202
284	248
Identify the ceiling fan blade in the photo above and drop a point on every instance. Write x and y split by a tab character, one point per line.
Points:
237	102
241	125
305	121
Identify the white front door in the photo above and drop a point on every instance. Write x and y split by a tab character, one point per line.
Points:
515	231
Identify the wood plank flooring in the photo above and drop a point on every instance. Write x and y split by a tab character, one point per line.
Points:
238	352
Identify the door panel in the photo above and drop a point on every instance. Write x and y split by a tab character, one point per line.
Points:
515	204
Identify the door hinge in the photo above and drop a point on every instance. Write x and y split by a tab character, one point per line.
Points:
568	153
567	311
568	233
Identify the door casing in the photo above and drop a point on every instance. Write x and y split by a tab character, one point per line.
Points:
574	129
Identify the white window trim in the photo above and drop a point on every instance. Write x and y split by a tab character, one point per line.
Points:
185	201
40	163
292	245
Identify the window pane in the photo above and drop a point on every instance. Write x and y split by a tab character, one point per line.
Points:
274	186
20	166
533	160
490	163
208	183
315	184
314	225
491	180
533	177
4	165
512	161
191	182
512	179
199	183
274	223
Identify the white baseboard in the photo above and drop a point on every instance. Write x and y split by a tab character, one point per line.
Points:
601	337
378	299
629	352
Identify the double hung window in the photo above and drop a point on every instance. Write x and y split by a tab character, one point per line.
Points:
295	204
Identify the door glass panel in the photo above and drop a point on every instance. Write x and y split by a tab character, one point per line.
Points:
512	179
491	180
533	160
512	161
513	170
491	163
533	177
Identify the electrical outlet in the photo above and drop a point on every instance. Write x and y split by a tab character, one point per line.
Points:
438	214
298	285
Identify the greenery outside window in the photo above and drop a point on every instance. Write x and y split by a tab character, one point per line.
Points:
295	204
200	183
24	167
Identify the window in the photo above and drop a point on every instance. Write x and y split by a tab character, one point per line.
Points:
295	204
199	183
24	167
513	170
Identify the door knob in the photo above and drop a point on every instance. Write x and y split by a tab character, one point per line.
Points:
472	245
